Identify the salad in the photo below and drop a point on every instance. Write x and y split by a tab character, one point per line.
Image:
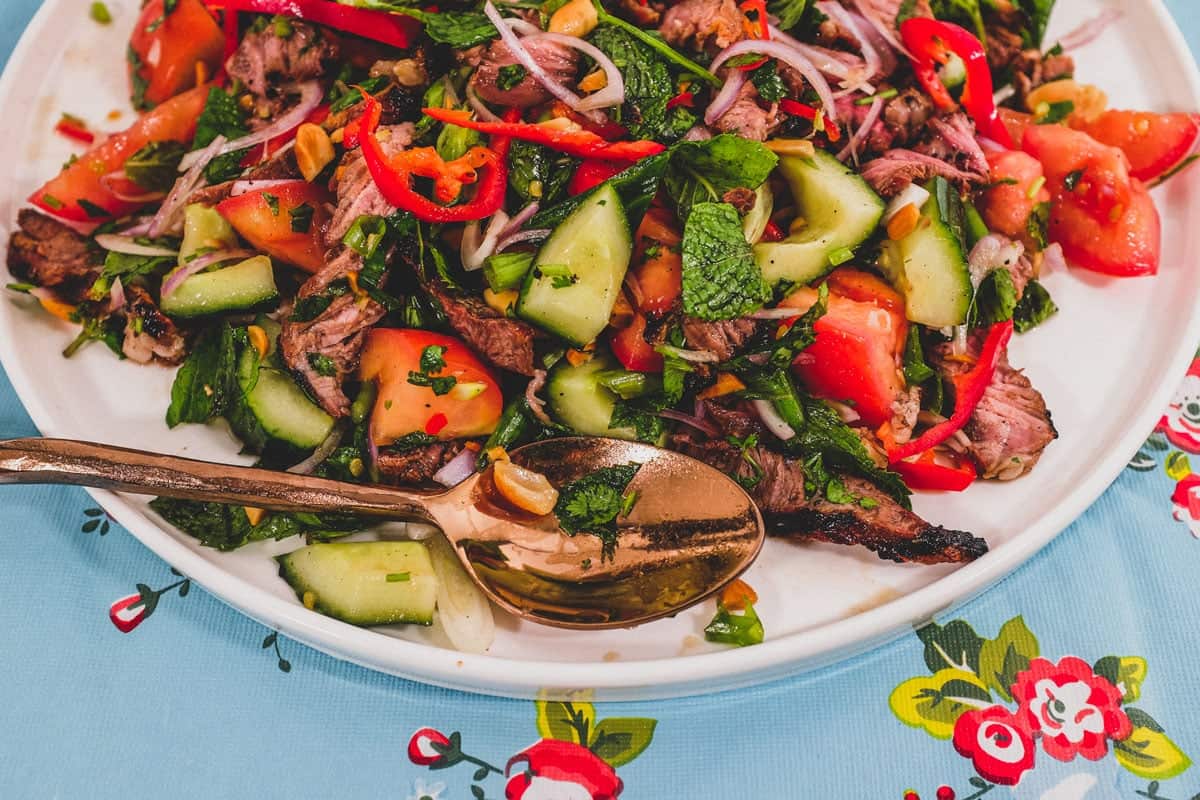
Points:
389	242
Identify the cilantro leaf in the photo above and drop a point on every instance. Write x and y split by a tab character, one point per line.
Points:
770	86
721	279
789	12
593	503
227	527
538	173
825	433
433	359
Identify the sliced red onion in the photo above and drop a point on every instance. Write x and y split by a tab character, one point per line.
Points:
310	98
1090	30
725	98
1053	259
139	227
510	39
991	253
770	417
457	469
860	135
886	33
479	107
241	187
531	235
887	53
776	313
634	288
536	404
181	274
698	133
694	356
129	246
613	93
838	13
323	451
688	419
108	182
824	61
116	296
911	195
789	55
520	218
473	251
1003	93
844	411
186	184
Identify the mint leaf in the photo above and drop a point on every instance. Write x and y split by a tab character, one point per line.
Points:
721	279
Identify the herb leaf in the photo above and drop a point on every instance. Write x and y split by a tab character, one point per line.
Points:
721	279
156	166
1034	308
704	171
206	384
593	503
649	86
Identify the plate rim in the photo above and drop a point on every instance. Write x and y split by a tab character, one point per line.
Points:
655	678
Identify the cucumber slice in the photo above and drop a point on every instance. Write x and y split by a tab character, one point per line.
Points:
350	581
755	222
930	269
279	405
577	274
840	211
581	402
204	228
245	285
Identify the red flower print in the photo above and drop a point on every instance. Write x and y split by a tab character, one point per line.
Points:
998	743
421	749
128	612
556	769
1076	710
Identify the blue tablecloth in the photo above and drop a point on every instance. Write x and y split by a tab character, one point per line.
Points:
1075	677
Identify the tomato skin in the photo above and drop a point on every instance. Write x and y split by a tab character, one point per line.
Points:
402	408
1130	246
174	120
1015	122
659	275
1102	183
1153	143
251	215
1006	207
169	54
632	350
855	356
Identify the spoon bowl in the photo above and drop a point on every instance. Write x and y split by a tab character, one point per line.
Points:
691	531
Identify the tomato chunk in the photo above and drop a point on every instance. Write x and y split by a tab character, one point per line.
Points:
632	350
658	267
1096	174
1006	205
856	356
470	407
174	120
1154	143
285	222
168	48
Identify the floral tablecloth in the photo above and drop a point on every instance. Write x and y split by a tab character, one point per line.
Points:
1076	677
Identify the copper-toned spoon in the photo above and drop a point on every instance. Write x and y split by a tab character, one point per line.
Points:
692	530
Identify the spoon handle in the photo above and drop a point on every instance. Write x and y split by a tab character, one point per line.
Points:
107	467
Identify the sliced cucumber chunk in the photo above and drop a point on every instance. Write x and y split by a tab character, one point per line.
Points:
755	222
577	274
364	583
204	230
246	285
279	405
840	211
930	269
581	402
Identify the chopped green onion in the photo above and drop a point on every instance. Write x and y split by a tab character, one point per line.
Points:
504	271
840	256
736	629
1036	187
628	502
398	577
884	95
626	384
100	13
365	234
52	201
20	287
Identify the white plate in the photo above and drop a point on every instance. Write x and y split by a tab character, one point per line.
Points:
1107	365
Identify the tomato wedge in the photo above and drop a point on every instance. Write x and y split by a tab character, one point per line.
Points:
1154	143
470	407
168	49
285	222
658	270
174	120
855	358
1017	187
632	350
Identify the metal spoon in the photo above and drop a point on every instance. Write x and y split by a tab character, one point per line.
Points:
691	531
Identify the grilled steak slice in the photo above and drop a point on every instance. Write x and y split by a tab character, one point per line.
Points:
747	118
1029	67
149	334
700	25
265	60
891	531
896	169
952	139
336	333
416	467
1011	426
724	338
561	63
356	190
507	343
45	252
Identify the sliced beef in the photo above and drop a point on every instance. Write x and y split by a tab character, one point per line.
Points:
724	338
264	60
952	139
211	195
336	333
703	25
742	199
416	467
894	170
560	63
905	409
640	13
1011	426
1029	68
891	531
747	117
1032	69
279	167
149	334
906	115
357	194
507	343
45	252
